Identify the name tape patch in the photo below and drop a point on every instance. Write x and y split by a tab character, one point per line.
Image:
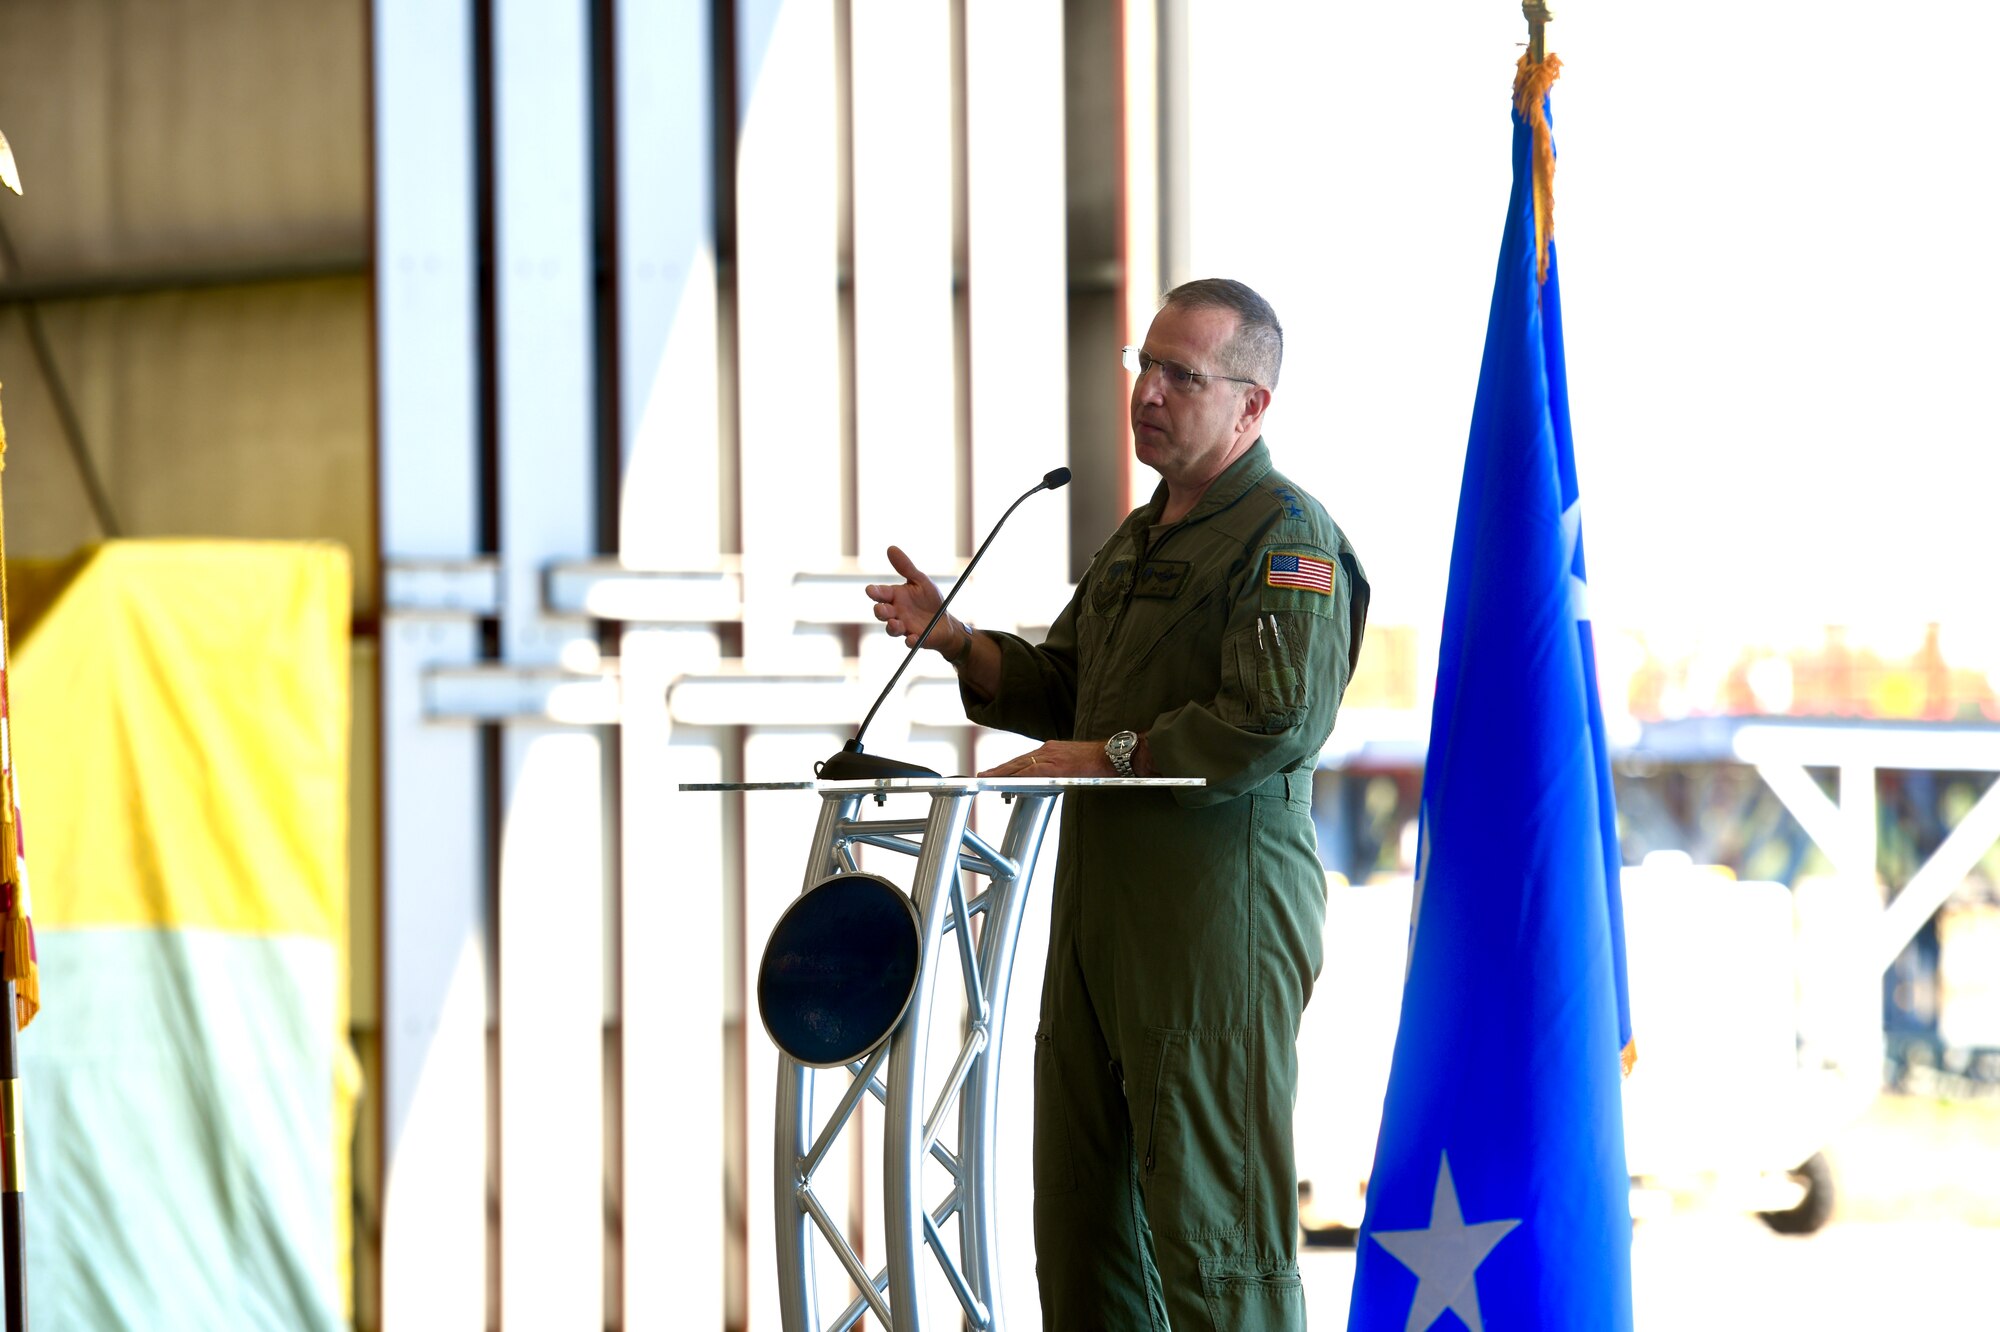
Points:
1163	579
1300	571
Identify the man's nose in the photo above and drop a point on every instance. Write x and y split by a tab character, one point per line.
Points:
1149	385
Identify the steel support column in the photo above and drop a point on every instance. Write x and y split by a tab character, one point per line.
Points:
434	835
551	917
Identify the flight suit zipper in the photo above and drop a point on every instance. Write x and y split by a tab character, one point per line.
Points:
1159	1092
1146	553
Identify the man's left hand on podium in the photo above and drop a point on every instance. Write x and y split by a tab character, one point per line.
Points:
1067	758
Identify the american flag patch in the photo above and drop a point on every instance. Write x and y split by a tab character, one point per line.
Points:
1300	571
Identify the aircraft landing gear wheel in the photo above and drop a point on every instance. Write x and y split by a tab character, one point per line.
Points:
1812	1211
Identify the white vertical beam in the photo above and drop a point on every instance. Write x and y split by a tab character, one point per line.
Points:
908	489
1173	79
788	387
1017	293
671	875
433	881
788	323
1142	192
906	442
668	494
551	912
434	988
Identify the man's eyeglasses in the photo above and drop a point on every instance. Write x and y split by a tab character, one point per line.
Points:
1178	377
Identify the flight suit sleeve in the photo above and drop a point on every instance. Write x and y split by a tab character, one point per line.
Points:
1037	695
1288	652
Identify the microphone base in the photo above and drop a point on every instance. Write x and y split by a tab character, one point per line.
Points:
851	765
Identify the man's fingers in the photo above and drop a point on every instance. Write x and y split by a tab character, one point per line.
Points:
1031	764
907	567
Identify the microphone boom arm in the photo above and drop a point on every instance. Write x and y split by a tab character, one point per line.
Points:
850	762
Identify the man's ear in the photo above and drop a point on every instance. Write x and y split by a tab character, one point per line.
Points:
1256	401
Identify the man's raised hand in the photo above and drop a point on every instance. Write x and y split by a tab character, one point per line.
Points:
906	607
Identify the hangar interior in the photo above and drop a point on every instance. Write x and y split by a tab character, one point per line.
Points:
613	341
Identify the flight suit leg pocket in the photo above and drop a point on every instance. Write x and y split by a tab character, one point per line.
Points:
1243	1298
1192	1128
1055	1167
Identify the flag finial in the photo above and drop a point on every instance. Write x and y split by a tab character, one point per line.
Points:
1538	14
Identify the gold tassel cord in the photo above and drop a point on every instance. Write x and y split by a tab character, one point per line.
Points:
1531	85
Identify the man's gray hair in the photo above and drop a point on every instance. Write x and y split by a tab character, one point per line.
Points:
1258	349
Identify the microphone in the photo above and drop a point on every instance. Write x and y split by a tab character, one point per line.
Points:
850	764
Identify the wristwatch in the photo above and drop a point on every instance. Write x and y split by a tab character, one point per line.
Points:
1119	749
957	659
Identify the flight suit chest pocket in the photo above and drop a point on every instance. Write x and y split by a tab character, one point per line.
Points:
1191	1126
1108	594
1140	609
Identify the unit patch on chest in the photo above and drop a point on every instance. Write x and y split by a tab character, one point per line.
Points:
1110	589
1163	579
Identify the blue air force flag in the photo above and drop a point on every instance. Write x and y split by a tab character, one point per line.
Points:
1498	1202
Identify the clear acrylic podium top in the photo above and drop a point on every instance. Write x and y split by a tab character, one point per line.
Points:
948	785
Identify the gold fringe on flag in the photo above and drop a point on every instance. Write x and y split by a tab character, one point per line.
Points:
1531	85
17	931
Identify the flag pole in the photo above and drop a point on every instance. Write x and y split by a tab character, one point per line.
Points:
17	951
1537	12
13	1171
17	955
13	1145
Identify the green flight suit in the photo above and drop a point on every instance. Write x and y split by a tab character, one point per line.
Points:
1186	922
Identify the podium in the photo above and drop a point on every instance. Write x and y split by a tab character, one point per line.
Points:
919	1098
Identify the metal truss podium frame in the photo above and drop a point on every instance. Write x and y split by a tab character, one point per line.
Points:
917	1105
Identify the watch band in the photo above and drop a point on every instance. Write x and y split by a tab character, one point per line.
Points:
958	658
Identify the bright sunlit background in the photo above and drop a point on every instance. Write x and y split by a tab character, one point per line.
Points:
1781	292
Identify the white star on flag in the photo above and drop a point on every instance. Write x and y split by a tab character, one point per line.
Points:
1444	1256
1579	591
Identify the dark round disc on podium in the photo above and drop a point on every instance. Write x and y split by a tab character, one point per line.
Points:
839	969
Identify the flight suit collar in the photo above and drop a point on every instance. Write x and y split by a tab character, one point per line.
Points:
1235	482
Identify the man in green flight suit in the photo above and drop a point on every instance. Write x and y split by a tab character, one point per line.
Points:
1212	637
